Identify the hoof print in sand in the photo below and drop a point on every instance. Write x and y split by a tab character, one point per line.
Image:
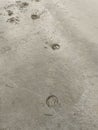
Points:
35	16
22	5
10	13
55	46
14	20
52	101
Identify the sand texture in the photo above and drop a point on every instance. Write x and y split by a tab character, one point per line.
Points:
49	65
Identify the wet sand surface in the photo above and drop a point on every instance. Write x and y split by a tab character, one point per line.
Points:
48	65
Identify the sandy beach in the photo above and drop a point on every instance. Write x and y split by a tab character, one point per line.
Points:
48	65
